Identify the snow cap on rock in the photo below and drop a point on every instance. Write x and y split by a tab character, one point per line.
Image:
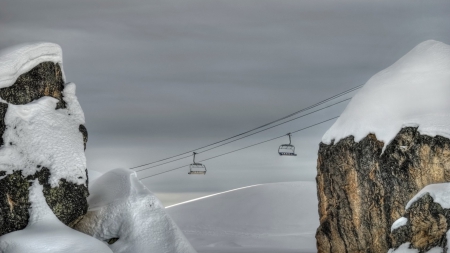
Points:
20	59
414	91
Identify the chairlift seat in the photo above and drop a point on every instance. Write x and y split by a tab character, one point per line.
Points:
197	169
287	150
197	172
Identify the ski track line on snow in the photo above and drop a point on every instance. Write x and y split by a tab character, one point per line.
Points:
215	194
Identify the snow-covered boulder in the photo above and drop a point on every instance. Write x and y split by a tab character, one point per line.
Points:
391	141
46	234
42	136
126	215
426	222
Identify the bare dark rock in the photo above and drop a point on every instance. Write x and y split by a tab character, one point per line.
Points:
83	130
43	80
362	191
14	202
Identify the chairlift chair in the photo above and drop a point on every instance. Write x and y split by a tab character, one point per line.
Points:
196	168
287	149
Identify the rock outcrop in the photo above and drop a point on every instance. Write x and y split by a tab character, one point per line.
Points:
426	221
363	190
392	140
36	106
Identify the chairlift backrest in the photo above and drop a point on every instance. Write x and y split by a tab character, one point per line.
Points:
197	168
287	149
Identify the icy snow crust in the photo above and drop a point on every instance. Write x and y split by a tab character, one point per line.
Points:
46	234
412	92
18	60
121	207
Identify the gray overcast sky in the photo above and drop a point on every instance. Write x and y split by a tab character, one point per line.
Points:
157	78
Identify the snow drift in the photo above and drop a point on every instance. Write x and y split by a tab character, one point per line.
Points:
412	92
124	213
278	217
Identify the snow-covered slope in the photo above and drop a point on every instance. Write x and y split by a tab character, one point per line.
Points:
46	234
412	92
121	207
269	218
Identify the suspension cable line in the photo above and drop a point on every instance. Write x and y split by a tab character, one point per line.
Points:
285	117
236	150
265	129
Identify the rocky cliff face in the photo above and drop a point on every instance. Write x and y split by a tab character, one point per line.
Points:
363	190
66	198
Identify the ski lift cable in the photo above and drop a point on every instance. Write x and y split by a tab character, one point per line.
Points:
285	117
236	150
265	129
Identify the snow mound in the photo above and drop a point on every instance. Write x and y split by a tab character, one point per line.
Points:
122	207
21	59
411	92
46	234
278	217
439	192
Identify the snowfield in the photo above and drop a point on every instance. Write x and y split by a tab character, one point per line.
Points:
411	92
269	218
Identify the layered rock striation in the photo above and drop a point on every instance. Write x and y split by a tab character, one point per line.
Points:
42	137
363	190
424	227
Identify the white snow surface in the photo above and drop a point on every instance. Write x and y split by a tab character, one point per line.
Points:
439	192
93	175
399	223
120	206
404	248
37	134
18	60
46	234
267	218
436	250
411	92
